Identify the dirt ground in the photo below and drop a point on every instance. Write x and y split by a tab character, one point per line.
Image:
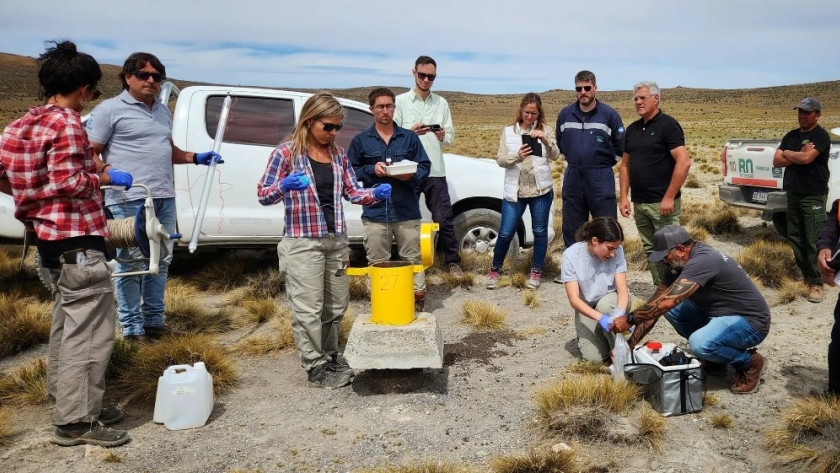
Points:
480	406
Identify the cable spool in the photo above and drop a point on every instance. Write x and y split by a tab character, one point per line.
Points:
129	232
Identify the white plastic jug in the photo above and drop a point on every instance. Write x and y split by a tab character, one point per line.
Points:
184	397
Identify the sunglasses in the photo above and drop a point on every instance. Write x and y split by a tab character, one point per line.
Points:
144	76
328	127
423	76
96	93
580	88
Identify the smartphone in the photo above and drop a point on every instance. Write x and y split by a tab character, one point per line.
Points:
434	127
534	143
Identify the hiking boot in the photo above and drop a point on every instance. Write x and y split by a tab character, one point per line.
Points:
492	279
326	376
816	295
88	433
340	364
718	370
534	280
158	332
455	270
110	415
419	301
747	382
558	279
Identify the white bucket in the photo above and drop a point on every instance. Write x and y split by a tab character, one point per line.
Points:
184	397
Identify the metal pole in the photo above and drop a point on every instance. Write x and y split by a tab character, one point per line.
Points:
211	171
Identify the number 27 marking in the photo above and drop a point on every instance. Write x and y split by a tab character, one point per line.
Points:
388	282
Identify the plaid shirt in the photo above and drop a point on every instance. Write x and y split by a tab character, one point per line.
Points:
49	163
304	217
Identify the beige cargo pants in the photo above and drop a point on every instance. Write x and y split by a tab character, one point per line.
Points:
593	342
319	298
81	338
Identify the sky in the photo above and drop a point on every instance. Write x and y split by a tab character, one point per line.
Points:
486	47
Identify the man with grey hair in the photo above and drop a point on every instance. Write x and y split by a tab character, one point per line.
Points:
803	153
654	165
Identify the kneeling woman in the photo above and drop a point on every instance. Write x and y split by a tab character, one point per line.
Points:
595	275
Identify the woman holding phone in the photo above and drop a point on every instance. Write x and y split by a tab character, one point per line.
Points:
524	150
311	175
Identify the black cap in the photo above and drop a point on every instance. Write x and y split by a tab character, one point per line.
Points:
665	239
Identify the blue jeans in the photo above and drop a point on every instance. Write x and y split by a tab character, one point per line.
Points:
140	298
511	215
723	339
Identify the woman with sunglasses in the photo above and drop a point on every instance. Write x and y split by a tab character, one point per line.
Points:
595	276
310	175
527	183
47	165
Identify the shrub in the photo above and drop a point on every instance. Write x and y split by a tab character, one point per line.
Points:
482	315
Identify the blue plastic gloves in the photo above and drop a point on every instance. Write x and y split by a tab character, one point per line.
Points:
206	157
120	178
605	322
295	181
382	191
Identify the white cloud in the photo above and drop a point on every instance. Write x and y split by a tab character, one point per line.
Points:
481	46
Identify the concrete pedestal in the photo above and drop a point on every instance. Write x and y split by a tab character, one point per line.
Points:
416	345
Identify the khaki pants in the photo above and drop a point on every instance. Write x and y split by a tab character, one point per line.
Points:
81	338
593	342
648	221
407	234
319	298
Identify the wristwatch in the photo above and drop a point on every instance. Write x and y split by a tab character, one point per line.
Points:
629	318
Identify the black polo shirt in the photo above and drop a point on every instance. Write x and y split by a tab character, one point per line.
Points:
651	164
812	178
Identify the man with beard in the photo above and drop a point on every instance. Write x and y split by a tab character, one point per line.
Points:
708	299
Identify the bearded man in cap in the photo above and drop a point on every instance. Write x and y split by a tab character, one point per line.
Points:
804	155
708	299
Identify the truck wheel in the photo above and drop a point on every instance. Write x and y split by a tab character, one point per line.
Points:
780	223
477	230
43	273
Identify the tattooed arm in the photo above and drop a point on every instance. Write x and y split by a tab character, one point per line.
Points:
663	300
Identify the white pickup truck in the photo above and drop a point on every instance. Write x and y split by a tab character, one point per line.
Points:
259	119
751	181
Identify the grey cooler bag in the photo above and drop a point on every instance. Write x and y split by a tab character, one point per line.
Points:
671	390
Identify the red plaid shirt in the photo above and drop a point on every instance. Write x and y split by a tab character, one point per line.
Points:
49	162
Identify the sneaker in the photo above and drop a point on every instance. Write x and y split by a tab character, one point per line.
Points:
419	301
340	364
492	279
455	270
747	382
534	280
558	279
816	295
110	415
88	433
326	376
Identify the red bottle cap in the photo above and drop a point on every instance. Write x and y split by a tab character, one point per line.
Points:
654	345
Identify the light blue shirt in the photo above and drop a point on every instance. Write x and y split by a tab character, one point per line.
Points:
434	110
136	140
595	278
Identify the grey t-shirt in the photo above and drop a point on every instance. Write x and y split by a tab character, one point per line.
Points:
725	287
595	278
136	140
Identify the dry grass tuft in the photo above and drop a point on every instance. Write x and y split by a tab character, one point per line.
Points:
809	437
267	283
186	312
427	466
768	261
279	338
259	310
346	325
720	421
450	281
517	280
482	315
110	456
634	253
710	399
122	356
24	322
585	367
789	290
531	299
652	427
139	381
537	461
692	182
5	426
717	217
358	288
589	391
476	262
24	281
25	386
223	273
698	233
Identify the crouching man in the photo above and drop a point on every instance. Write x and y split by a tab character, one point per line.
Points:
710	300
